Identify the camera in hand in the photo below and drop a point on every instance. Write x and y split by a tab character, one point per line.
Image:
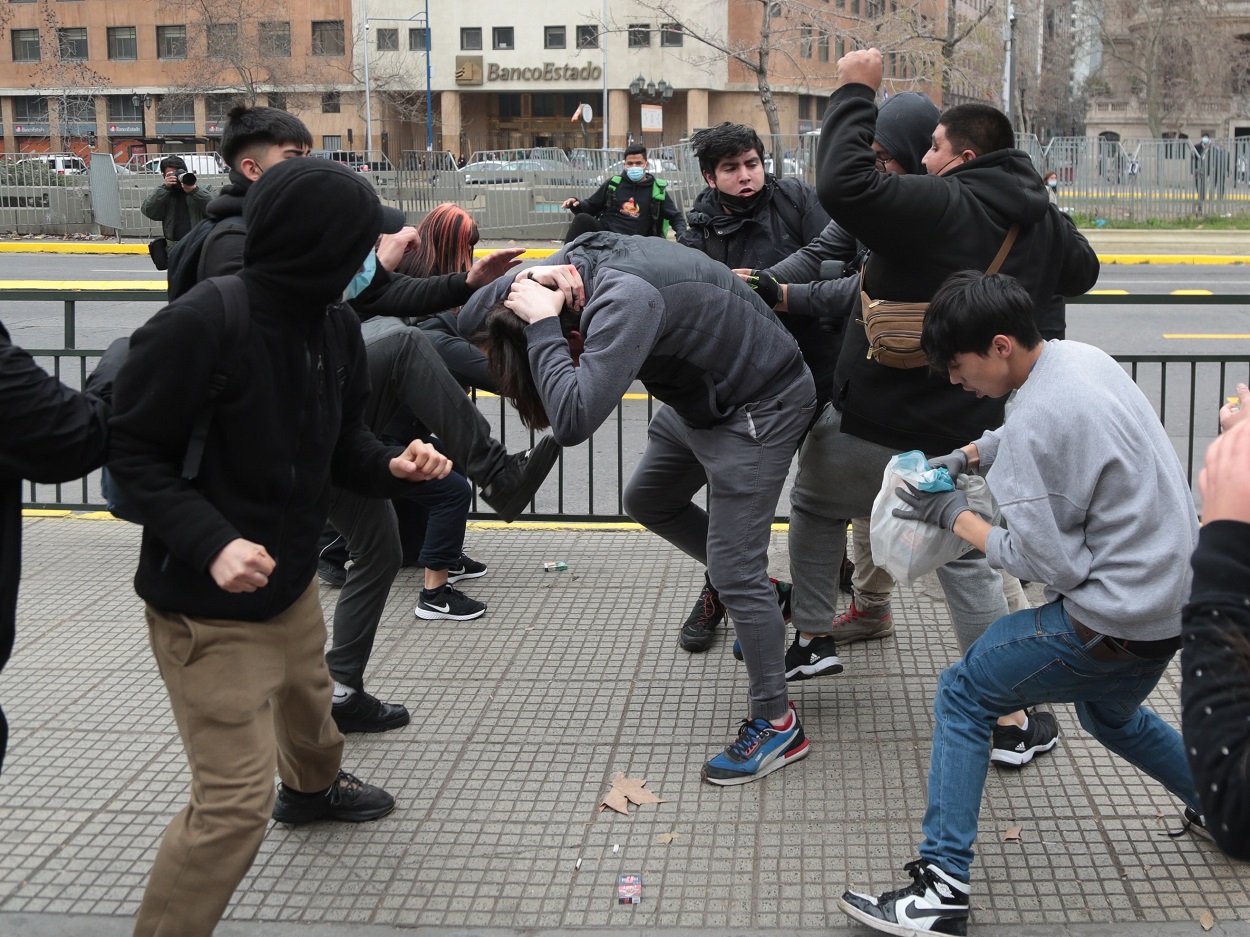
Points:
186	178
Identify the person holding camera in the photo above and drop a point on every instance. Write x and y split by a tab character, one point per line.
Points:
178	204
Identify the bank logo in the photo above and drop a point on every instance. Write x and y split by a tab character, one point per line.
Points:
469	70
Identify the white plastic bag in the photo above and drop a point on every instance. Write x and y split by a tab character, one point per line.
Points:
909	549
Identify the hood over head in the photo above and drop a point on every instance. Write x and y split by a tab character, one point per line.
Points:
310	225
1007	183
905	124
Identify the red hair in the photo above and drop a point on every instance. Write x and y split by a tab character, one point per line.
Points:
448	234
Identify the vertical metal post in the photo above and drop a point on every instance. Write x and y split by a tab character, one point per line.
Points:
364	9
429	101
603	40
69	323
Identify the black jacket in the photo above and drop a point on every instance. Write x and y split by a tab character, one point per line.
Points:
289	421
787	216
628	210
1215	688
48	433
919	230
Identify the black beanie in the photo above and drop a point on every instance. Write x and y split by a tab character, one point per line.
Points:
905	124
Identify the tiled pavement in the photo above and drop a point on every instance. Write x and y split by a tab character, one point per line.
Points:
520	722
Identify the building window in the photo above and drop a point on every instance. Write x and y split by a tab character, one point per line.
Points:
274	40
223	40
30	110
543	105
328	37
177	108
123	44
388	40
25	45
822	46
671	35
277	100
587	37
509	104
123	109
171	42
330	102
78	109
217	106
419	40
854	7
639	35
501	38
332	142
471	38
805	42
805	107
553	37
71	43
839	47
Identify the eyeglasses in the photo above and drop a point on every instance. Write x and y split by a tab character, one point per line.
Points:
883	163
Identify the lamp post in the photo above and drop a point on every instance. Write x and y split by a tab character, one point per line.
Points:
650	92
429	103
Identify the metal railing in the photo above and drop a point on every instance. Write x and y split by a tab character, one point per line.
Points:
588	482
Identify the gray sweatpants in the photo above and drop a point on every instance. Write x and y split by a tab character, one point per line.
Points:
744	462
839	476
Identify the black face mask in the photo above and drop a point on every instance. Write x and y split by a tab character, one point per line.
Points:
738	205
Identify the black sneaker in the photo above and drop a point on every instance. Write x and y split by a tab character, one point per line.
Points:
698	631
362	712
448	603
1017	747
514	485
348	799
1195	823
466	568
846	576
934	903
331	574
816	660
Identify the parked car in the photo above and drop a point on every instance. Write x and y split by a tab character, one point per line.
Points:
59	163
500	172
488	172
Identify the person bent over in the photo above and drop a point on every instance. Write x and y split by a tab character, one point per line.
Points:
568	338
1097	505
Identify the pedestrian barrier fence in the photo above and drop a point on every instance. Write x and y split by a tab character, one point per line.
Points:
519	193
588	482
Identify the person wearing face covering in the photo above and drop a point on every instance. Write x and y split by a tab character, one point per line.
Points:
627	203
227	566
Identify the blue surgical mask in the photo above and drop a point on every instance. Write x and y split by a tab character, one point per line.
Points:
635	173
360	282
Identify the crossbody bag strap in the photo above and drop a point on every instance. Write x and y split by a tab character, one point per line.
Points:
1003	251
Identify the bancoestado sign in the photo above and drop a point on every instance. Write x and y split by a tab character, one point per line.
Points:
549	71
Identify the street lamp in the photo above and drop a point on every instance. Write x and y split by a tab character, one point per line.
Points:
429	103
650	92
141	100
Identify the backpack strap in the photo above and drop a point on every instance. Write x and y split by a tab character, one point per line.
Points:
235	308
1003	251
613	184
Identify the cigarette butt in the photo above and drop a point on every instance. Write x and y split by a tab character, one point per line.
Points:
616	847
578	864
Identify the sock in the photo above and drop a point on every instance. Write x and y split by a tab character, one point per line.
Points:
788	724
342	693
430	593
1025	727
805	642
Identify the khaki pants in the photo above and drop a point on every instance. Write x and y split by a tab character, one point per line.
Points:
248	697
871	583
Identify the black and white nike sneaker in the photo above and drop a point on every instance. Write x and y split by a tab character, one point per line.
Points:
448	603
934	903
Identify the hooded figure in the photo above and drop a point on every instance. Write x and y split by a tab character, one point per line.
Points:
227	568
905	125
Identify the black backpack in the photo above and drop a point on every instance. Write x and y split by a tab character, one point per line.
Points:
186	258
236	310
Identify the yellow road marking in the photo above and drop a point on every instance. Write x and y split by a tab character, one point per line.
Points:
1192	293
1108	292
1206	334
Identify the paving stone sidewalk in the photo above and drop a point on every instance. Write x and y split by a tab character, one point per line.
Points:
520	721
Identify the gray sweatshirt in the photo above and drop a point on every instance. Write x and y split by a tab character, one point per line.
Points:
1095	499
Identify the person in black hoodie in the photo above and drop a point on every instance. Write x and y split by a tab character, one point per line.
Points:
1215	652
227	563
626	204
747	218
49	433
919	229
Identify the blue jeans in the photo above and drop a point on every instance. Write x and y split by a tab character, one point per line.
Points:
1034	656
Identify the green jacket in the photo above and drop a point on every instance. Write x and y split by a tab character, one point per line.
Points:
161	205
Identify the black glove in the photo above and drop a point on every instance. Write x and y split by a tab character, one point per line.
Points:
939	508
765	286
955	462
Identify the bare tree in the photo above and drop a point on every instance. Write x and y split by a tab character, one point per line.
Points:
1171	57
64	76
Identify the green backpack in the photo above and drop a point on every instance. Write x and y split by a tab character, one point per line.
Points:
660	225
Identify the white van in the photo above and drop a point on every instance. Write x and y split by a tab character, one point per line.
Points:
59	163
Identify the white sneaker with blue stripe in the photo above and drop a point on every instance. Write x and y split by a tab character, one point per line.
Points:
760	748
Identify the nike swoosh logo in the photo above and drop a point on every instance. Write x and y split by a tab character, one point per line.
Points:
438	608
